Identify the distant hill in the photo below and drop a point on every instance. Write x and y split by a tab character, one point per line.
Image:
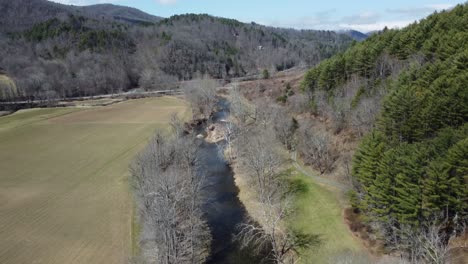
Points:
370	33
22	14
356	35
120	13
54	50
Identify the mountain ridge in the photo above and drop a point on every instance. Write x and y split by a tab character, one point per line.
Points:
102	49
356	35
22	14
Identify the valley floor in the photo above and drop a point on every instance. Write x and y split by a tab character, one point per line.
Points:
64	187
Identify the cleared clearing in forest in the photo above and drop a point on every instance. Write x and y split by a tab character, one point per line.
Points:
318	211
64	190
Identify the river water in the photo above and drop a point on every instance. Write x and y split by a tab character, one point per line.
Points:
222	207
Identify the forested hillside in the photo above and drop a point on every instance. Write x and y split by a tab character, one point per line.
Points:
23	14
52	50
406	91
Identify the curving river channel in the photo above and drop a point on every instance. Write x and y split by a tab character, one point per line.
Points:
222	207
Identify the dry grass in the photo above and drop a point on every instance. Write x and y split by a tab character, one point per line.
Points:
93	102
7	82
247	195
64	191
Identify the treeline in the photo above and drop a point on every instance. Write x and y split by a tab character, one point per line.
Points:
408	89
413	167
256	149
152	55
167	183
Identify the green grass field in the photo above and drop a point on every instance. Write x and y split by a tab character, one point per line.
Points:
64	190
318	211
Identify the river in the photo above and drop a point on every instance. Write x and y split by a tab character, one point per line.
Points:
222	207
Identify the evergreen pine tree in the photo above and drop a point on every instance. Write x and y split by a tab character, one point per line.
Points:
381	192
408	196
457	169
366	164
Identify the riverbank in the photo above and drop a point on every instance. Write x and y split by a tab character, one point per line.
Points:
316	210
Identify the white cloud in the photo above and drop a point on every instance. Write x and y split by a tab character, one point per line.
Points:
362	18
365	21
376	26
319	20
166	2
420	11
363	25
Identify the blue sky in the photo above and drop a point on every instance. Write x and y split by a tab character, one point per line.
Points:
362	15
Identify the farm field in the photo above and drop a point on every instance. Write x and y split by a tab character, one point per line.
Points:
64	188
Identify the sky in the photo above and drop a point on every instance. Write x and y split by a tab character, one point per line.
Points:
361	15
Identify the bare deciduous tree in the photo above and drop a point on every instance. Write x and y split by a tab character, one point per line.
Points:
167	187
155	79
229	132
177	125
201	93
316	149
263	113
239	108
285	128
427	243
260	158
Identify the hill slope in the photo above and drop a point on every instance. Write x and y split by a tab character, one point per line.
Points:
120	13
54	50
356	35
23	14
411	168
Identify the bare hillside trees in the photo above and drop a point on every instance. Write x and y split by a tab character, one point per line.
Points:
167	187
98	54
155	79
265	115
285	127
316	149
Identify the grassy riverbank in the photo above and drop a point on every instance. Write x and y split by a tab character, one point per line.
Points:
318	211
